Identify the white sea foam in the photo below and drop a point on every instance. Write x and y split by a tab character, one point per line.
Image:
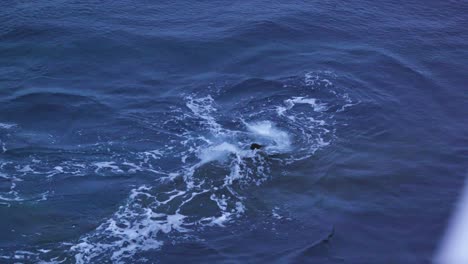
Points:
26	169
107	165
133	228
275	213
316	79
214	163
152	154
139	224
6	126
267	130
217	152
290	103
203	108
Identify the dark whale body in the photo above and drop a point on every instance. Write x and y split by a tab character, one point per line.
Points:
255	146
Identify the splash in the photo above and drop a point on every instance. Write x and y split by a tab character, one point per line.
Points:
151	217
201	171
276	139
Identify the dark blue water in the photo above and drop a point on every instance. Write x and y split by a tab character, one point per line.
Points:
125	129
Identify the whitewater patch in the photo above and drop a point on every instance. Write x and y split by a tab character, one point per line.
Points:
145	221
276	139
204	109
216	163
107	165
201	171
217	153
7	125
290	103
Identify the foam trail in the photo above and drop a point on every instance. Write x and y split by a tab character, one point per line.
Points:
143	223
215	165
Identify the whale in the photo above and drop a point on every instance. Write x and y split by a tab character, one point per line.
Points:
254	146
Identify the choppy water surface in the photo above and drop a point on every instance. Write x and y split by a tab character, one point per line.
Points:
125	131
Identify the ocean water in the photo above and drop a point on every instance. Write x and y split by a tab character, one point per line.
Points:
125	130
